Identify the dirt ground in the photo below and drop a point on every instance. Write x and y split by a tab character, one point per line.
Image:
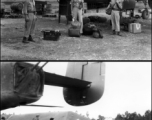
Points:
111	47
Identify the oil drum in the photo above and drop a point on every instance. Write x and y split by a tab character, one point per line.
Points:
129	4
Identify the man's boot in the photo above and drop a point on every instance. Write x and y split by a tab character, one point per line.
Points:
113	32
25	40
30	39
118	33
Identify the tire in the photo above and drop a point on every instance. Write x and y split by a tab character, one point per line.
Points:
145	14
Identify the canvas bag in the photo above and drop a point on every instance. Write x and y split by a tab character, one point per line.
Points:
75	24
109	9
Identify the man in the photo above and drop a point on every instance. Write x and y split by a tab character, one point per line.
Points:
29	12
77	11
115	16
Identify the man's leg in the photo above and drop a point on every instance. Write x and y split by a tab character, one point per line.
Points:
113	21
80	16
27	30
75	13
32	28
117	18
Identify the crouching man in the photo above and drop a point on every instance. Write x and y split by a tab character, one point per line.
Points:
29	12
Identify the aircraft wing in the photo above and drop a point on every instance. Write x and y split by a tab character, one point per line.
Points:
32	105
63	81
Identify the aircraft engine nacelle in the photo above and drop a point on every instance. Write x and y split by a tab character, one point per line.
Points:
19	84
94	72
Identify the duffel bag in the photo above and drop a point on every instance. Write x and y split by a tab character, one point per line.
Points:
97	33
74	32
75	24
88	28
86	20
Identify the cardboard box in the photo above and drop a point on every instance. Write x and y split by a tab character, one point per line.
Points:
135	27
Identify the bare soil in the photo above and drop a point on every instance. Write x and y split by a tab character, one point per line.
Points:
111	47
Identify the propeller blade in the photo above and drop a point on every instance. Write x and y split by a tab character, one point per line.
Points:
31	105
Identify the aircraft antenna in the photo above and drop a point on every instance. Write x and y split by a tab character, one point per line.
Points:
35	66
42	66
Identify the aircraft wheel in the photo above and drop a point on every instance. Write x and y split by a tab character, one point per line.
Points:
145	14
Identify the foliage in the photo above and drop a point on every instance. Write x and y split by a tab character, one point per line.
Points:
134	116
101	117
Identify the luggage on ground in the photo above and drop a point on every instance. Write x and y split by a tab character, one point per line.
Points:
97	33
74	29
52	35
75	24
74	32
135	27
88	28
86	20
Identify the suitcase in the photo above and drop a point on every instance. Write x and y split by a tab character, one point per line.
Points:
74	32
135	28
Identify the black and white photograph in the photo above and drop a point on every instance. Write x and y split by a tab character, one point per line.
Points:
75	90
75	59
75	29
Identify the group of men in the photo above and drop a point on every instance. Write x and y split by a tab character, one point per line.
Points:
29	12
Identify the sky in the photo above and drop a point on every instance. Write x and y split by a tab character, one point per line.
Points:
127	88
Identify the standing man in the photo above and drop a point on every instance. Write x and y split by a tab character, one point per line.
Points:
29	12
77	12
115	16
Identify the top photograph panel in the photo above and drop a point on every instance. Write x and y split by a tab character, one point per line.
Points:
75	29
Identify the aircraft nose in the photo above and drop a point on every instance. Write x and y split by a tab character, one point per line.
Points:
8	100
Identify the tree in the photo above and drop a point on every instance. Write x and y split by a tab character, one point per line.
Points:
119	117
147	115
87	114
127	114
101	117
134	116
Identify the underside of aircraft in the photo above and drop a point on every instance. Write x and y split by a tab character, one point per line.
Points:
23	83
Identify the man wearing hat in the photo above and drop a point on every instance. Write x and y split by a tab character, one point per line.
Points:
115	16
29	12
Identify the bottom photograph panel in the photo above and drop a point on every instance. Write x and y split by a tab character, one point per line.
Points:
75	90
